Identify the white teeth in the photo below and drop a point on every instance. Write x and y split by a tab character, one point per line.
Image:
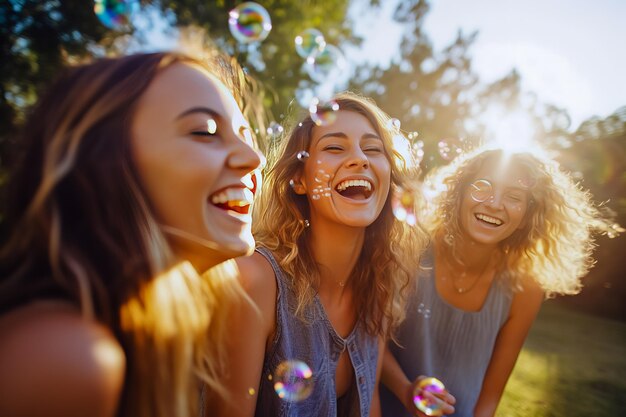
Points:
354	183
233	197
489	219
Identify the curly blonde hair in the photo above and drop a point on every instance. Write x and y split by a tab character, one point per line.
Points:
554	247
391	252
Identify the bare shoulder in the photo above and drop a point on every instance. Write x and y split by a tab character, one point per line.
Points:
528	300
257	277
54	362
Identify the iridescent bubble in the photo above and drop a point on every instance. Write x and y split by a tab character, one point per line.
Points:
115	14
304	97
450	148
481	190
308	42
249	22
274	130
424	398
302	156
328	64
403	206
323	114
394	124
293	381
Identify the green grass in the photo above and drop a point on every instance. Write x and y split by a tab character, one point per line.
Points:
572	364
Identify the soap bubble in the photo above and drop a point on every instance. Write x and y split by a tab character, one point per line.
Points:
308	42
115	14
293	380
249	22
274	129
302	156
323	114
424	398
328	64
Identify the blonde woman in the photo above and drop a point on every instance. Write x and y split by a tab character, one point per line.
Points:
137	177
330	272
508	230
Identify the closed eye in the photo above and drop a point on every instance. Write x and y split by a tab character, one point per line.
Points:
210	130
333	148
514	197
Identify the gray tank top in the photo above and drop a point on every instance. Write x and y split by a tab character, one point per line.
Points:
450	344
315	342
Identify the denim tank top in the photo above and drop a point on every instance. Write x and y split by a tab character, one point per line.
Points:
314	342
450	344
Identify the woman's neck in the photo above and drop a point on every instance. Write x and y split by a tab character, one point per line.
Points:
336	249
468	254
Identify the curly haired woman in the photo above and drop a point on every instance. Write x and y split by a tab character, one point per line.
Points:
331	269
508	230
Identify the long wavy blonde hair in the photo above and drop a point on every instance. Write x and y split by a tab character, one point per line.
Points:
390	255
84	231
555	245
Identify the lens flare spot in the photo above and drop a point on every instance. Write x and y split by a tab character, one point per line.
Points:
403	206
450	148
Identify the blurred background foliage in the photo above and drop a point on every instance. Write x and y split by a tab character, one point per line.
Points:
434	93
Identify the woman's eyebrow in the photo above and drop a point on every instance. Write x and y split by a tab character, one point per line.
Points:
342	135
204	110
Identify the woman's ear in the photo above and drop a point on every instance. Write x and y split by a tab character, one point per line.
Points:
297	184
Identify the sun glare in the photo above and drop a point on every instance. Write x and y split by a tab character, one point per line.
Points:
511	130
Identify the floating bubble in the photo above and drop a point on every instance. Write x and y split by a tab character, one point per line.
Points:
403	206
249	22
275	129
394	124
424	398
417	149
115	14
293	381
323	114
328	64
308	42
304	97
450	148
302	156
481	190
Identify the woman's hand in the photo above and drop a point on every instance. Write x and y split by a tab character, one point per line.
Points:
443	401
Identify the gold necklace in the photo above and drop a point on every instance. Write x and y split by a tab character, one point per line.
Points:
465	290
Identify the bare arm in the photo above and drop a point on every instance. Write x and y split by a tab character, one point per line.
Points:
524	309
251	327
55	363
396	380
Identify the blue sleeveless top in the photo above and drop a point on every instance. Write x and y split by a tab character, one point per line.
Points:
315	342
450	344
